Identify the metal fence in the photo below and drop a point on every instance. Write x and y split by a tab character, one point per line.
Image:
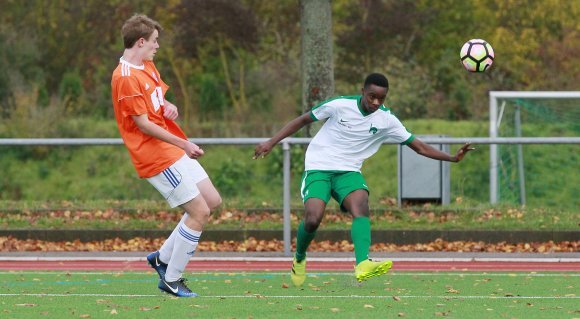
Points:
286	144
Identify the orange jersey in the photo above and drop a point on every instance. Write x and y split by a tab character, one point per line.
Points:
138	90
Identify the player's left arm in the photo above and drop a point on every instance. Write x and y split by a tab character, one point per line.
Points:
170	111
428	151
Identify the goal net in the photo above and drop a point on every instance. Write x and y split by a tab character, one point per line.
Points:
534	173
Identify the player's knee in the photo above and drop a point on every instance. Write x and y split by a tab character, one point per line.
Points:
204	213
361	209
311	222
200	214
215	202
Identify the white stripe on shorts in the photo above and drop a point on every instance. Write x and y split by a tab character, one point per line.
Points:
178	182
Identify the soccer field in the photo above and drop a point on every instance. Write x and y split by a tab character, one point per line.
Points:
134	294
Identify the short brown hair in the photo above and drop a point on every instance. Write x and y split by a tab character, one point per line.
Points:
137	27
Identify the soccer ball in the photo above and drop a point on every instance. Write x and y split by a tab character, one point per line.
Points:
476	55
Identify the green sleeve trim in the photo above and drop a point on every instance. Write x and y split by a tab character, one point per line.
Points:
313	117
349	97
409	140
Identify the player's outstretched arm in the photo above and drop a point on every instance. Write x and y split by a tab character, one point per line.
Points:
428	151
152	129
292	127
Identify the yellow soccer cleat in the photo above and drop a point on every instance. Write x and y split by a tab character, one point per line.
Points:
367	269
298	273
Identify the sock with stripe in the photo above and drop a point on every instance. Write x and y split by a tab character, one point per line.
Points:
167	248
361	238
186	241
303	239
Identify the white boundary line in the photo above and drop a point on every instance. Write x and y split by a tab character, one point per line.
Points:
251	274
317	259
305	296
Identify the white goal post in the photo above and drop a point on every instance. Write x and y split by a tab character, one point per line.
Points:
495	117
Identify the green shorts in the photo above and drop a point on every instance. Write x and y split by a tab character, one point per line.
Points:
324	184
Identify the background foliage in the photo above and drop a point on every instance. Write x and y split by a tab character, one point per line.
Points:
234	71
236	63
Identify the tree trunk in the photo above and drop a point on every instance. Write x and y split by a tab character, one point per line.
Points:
317	60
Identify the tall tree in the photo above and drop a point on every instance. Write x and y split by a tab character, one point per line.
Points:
317	59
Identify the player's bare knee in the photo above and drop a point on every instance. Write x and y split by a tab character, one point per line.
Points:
312	221
360	209
204	213
215	202
200	215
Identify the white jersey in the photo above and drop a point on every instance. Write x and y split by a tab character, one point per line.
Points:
350	135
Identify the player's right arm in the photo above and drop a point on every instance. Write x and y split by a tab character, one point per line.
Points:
152	129
292	127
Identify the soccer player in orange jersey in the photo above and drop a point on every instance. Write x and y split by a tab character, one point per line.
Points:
160	151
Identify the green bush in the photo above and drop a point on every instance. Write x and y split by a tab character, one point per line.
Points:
233	178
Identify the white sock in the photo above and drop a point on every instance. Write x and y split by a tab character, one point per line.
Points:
184	247
167	248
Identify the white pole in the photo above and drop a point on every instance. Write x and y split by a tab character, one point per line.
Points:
286	196
518	127
493	183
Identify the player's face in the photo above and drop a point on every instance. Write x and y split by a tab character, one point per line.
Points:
373	97
150	46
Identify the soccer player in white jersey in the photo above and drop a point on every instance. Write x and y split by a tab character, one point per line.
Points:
354	130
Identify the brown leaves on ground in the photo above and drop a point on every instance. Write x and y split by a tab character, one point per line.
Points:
10	244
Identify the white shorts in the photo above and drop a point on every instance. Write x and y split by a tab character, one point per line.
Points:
178	182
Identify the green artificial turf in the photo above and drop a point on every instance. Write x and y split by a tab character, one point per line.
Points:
271	295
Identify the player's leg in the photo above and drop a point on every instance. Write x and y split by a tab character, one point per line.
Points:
178	184
159	259
210	194
185	245
313	213
212	198
357	203
315	190
351	191
193	200
164	253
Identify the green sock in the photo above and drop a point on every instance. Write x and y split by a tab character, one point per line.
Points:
361	238
303	239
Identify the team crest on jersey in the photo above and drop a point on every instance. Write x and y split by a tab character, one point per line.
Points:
373	129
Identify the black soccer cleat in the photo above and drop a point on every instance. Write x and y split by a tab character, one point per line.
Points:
157	264
177	288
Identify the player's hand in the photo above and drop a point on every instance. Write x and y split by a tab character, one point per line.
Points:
463	150
193	151
262	150
170	111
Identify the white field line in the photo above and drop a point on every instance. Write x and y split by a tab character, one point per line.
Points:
298	297
289	259
225	275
